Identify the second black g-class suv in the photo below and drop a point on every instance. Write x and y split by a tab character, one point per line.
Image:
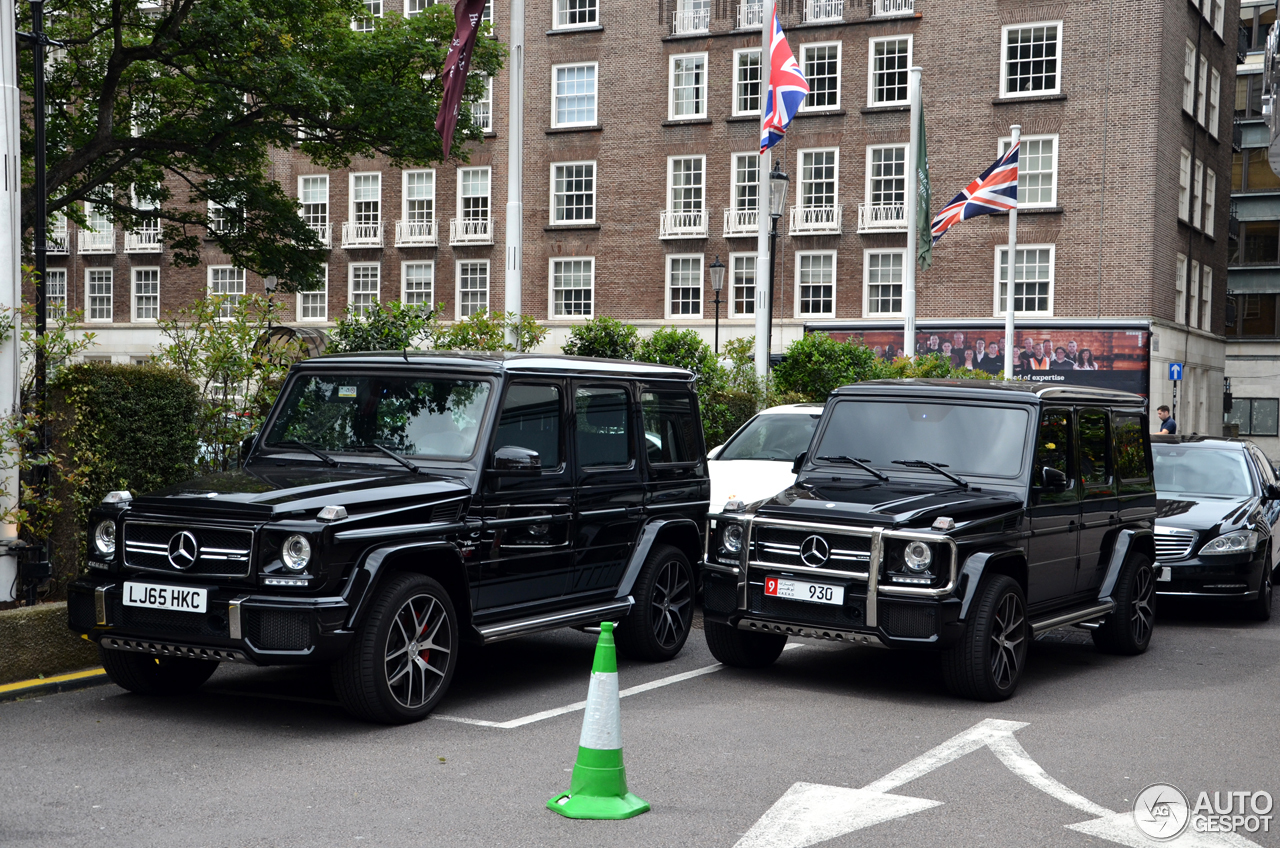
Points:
396	505
957	516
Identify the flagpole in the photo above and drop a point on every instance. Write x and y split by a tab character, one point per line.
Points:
1013	266
512	297
909	260
764	298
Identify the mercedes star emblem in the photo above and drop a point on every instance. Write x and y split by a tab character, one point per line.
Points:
813	551
183	550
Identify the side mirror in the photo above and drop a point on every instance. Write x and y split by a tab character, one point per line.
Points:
246	447
799	462
1054	480
517	461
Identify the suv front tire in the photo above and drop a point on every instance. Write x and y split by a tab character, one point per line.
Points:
658	625
986	664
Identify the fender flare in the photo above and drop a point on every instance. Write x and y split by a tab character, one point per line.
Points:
367	576
1125	540
649	536
975	566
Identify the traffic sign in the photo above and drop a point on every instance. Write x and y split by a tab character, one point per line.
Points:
1175	371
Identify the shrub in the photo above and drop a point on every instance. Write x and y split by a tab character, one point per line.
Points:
723	412
815	364
381	326
683	349
605	337
488	331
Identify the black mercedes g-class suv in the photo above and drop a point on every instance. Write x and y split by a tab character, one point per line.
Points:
395	505
959	516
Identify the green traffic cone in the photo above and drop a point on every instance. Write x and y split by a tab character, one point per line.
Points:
598	789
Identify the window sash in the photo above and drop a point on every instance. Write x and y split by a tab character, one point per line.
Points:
1037	169
746	82
366	199
742	297
1180	290
473	193
228	282
419	196
314	305
688	86
1210	201
573	287
1031	59
146	294
890	63
884	282
1215	101
1202	84
419	279
574	95
1184	186
887	176
473	288
573	188
1188	77
575	13
55	292
686	176
684	286
815	284
746	182
313	194
818	179
99	283
364	287
821	66
1197	194
1033	280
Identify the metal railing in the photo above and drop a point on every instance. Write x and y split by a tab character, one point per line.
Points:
815	220
823	10
56	241
322	233
95	242
882	217
750	15
892	8
683	224
690	20
146	240
416	234
361	235
471	231
741	222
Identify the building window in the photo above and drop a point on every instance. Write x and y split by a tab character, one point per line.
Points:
1031	55
1202	85
574	95
419	197
473	288
746	82
1032	281
1193	298
314	305
890	61
887	175
1255	316
573	193
372	11
688	87
818	180
1210	200
1197	194
1250	171
365	282
1037	170
224	217
686	178
821	66
98	293
1184	186
742	298
482	106
1248	96
1206	298
1259	244
684	286
1188	77
882	274
691	16
1256	416
146	294
1215	101
227	283
1219	8
366	199
572	287
313	194
418	280
1180	290
575	13
815	284
55	292
473	193
413	8
746	182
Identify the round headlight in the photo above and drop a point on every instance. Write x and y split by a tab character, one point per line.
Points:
104	537
918	556
296	553
732	538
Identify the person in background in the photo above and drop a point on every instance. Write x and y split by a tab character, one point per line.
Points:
1073	350
968	362
957	342
1039	362
890	353
878	351
993	361
980	352
933	344
1023	366
1060	361
947	353
1167	424
1084	362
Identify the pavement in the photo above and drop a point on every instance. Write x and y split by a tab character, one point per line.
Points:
831	746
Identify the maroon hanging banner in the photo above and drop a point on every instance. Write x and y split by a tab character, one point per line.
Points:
467	15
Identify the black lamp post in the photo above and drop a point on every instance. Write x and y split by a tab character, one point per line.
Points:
778	183
717	283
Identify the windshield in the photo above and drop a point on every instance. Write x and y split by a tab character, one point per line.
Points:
410	415
1201	471
779	436
983	440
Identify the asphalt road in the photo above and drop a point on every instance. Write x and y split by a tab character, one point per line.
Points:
264	757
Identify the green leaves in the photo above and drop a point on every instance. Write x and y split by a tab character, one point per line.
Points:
396	326
603	337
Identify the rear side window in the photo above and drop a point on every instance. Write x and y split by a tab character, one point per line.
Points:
603	431
1053	450
1131	453
1095	444
670	427
531	419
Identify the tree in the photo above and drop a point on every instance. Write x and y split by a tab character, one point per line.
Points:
604	337
158	109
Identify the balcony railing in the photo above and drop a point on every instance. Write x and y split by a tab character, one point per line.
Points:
892	8
56	242
750	15
416	234
690	20
882	217
1237	135
741	222
146	240
676	225
361	235
815	220
823	10
322	233
1242	45
94	242
471	231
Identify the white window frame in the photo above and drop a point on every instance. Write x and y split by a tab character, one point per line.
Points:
867	187
110	295
1004	61
413	8
404	193
1210	200
55	304
795	292
1202	88
1194	295
486	99
734	185
351	283
457	286
1197	194
555	16
1188	77
872	73
225	312
1053	266
799	183
670	181
1206	298
595	194
671	87
133	293
731	283
867	253
1215	102
1219	13
1180	290
804	50
324	298
1184	186
595	116
552	312
404	281
351	197
738	82
488	194
1003	148
702	295
365	23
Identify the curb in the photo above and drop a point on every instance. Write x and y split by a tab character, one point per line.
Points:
54	684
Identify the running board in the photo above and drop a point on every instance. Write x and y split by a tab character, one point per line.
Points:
565	618
1066	619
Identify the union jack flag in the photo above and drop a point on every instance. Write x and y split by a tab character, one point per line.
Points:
995	191
787	86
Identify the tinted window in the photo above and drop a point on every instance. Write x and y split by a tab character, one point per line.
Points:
1201	471
531	419
670	427
1094	445
1053	450
781	436
1131	448
603	427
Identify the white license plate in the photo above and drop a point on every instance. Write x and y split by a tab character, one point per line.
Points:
1166	575
154	596
799	590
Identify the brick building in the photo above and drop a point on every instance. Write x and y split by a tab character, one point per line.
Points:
641	125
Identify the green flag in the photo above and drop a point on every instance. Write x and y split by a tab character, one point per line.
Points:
924	215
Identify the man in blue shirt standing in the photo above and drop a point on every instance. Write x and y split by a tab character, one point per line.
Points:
1168	425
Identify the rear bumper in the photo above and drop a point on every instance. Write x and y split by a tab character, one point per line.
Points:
1236	578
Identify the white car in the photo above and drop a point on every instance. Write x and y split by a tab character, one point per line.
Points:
756	461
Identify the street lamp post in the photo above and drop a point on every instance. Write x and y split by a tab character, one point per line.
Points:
717	283
778	183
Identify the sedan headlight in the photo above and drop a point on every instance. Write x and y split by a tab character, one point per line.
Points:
918	557
1239	542
295	553
104	538
731	539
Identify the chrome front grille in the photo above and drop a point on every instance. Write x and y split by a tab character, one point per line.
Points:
782	546
220	551
1173	544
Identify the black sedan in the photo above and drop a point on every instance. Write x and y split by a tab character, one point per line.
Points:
1218	521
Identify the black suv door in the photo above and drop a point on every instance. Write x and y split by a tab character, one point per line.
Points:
525	551
673	443
1054	510
1099	502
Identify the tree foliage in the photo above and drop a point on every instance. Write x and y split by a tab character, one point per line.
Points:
815	364
395	326
604	337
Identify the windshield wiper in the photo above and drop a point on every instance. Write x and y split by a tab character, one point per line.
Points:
938	467
397	457
328	460
861	463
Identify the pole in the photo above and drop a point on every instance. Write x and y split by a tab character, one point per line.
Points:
10	288
42	211
909	263
764	250
717	302
513	292
1013	267
768	314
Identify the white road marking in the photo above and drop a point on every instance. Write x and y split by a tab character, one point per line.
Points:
810	813
981	734
1121	829
1018	761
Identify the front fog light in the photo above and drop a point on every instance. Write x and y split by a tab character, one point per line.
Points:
104	537
732	538
918	557
296	553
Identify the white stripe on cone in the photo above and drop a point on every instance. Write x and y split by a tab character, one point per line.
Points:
602	724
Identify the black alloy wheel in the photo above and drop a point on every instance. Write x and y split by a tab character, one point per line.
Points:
658	625
987	663
1128	629
1260	609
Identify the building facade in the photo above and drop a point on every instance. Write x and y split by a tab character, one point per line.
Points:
641	170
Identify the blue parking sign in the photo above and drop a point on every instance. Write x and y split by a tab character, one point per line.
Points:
1175	371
